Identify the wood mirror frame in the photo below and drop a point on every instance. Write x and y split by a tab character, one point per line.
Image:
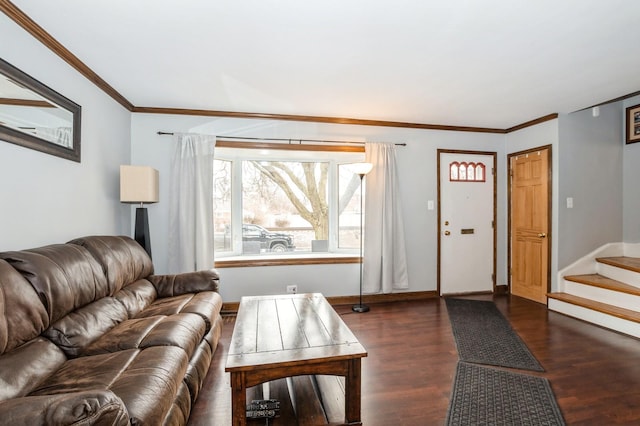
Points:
45	101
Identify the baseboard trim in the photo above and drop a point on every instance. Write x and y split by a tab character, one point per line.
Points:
231	308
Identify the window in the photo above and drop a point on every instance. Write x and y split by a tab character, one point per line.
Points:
467	172
285	203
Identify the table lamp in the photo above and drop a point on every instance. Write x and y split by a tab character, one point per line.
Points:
139	185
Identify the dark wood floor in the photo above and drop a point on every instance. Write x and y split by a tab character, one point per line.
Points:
407	377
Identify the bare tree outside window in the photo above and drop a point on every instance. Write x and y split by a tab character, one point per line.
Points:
285	206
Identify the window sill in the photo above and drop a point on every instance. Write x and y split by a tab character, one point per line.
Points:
310	259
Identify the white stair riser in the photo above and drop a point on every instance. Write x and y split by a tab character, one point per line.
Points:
614	323
619	274
616	298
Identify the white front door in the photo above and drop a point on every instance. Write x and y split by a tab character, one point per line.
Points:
466	214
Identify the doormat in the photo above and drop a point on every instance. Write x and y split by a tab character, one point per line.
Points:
484	336
488	396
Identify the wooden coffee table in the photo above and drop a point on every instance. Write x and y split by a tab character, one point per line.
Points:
291	335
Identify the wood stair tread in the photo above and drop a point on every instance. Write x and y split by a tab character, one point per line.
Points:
604	308
600	281
624	262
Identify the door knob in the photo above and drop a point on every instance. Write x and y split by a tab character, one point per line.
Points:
447	233
542	235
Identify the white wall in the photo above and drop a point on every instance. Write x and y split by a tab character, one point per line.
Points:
631	179
590	172
46	199
417	164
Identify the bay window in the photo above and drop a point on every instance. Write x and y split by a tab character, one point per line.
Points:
285	203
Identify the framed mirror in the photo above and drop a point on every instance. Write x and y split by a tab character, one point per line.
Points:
35	116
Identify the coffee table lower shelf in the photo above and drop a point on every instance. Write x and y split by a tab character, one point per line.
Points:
320	393
303	401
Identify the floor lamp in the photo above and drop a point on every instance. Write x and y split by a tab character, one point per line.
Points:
361	169
139	184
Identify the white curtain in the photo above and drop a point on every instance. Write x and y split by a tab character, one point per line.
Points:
385	260
191	203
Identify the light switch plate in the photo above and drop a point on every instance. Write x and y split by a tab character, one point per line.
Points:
569	202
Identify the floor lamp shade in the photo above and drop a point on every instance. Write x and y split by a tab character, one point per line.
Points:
139	185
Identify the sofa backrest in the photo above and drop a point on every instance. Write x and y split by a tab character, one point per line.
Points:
65	276
72	287
25	358
123	260
23	316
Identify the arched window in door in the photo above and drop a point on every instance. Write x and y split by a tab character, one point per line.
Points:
467	172
453	171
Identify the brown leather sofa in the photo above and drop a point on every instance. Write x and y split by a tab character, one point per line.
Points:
88	335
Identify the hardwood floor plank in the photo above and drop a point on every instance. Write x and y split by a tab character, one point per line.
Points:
331	390
407	377
280	391
309	411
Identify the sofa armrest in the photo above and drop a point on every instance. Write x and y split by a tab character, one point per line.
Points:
188	282
88	407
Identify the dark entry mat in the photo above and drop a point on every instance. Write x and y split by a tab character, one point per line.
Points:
484	336
488	396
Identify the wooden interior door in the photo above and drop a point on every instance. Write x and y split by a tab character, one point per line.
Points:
530	240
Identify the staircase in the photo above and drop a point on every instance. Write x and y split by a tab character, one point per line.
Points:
603	288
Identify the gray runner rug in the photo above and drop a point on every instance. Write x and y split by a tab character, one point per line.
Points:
484	336
488	396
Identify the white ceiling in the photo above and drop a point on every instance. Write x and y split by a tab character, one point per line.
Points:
490	63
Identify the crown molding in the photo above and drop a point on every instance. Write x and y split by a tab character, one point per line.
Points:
39	33
533	122
313	119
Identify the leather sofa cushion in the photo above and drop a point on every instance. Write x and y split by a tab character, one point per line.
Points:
166	306
137	296
25	367
22	315
182	330
123	260
79	329
181	408
147	381
206	304
66	277
76	408
199	364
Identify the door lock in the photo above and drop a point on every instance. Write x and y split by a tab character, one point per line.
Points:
542	235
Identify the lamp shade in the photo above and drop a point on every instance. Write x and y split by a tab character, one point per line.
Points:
361	168
139	184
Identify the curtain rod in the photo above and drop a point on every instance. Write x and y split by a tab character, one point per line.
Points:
299	141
